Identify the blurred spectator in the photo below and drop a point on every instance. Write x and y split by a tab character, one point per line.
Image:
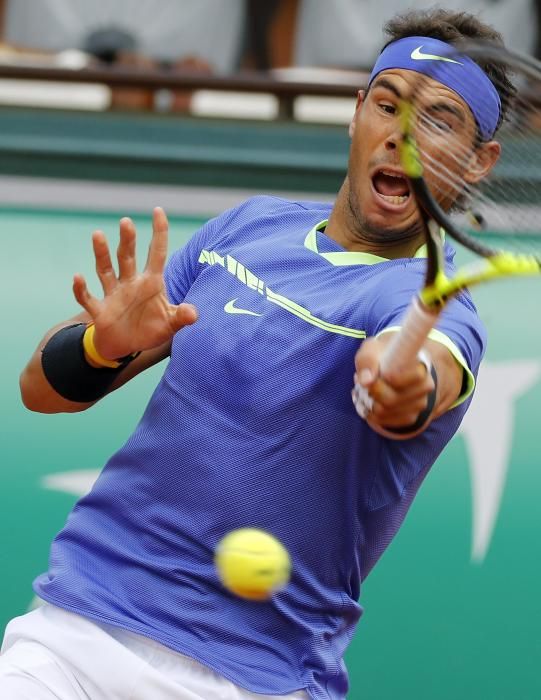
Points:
537	47
200	35
269	34
347	33
165	30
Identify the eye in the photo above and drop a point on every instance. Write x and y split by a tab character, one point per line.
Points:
387	107
435	124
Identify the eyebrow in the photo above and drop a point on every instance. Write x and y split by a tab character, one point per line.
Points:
388	85
445	107
382	82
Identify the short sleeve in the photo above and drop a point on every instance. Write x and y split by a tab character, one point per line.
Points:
459	328
183	266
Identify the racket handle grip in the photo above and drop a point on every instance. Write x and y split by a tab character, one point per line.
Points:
402	350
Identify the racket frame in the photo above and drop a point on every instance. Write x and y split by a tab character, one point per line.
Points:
403	349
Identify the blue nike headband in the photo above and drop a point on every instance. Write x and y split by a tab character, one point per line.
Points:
432	57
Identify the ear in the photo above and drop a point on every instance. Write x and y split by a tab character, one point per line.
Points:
483	159
360	99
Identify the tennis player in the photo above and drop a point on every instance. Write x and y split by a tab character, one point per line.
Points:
261	317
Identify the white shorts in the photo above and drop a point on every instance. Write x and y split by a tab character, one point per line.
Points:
53	654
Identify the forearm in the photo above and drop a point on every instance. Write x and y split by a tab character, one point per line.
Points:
38	394
132	328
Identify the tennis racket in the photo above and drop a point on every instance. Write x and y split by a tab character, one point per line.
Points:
496	216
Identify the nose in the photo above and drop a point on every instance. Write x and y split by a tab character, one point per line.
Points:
391	142
394	136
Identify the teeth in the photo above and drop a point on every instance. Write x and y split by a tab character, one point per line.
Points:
394	199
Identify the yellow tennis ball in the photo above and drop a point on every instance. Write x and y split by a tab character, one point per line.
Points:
252	563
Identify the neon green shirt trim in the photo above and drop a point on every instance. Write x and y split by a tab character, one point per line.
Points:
244	275
349	257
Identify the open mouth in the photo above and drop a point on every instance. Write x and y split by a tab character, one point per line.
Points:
391	186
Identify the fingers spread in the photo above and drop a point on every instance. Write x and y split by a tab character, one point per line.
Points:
126	250
104	266
157	252
83	296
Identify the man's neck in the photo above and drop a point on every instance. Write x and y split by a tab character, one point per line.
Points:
340	228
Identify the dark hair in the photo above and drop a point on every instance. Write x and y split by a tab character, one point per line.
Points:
453	27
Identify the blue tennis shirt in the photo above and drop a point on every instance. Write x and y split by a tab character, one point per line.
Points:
252	424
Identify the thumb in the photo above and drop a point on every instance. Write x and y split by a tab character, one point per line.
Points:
185	315
367	362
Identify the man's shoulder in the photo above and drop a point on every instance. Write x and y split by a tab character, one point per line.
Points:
264	205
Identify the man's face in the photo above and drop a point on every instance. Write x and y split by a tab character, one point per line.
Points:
379	197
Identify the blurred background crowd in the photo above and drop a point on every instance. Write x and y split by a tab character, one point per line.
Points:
223	37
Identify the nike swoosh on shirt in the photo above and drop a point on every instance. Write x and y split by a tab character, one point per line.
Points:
418	55
230	308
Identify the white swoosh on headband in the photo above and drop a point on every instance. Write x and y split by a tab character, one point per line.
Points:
418	55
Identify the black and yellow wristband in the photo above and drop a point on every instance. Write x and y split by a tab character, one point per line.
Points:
69	373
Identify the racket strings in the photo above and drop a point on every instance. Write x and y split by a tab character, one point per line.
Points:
443	174
502	209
